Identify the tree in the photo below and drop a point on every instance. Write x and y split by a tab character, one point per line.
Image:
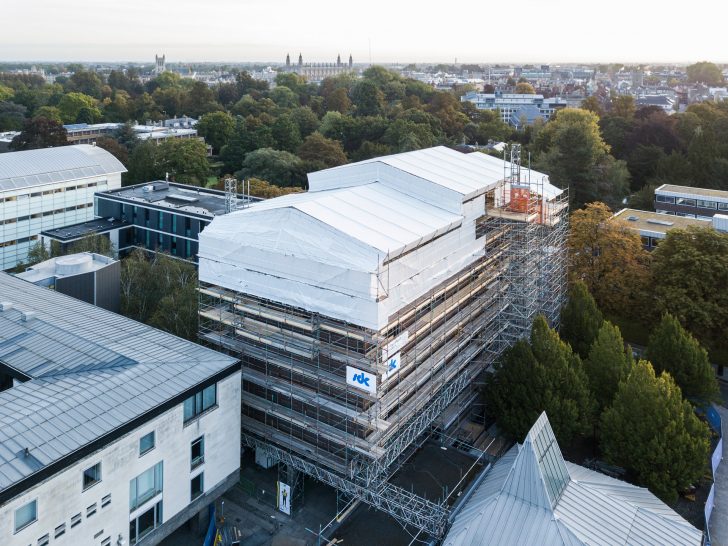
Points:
143	165
72	103
184	159
114	148
279	167
623	106
37	253
705	72
40	133
609	258
321	151
607	364
593	104
338	101
160	291
12	116
542	376
580	319
689	279
216	128
286	134
368	99
572	147
98	244
49	112
525	88
654	434
672	349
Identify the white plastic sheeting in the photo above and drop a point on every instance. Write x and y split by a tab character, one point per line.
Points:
365	241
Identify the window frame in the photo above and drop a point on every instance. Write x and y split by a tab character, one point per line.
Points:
84	485
154	442
158	516
201	478
27	524
197	461
197	405
157	488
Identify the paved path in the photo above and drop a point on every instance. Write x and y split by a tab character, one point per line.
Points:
719	517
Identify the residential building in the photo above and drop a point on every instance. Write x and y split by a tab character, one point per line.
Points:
533	496
48	189
690	202
509	104
89	277
365	306
111	432
654	226
158	216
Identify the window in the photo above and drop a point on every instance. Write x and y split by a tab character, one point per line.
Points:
145	523
60	530
44	540
75	520
145	486
146	443
197	455
722	206
106	500
664	199
106	542
91	476
685	201
199	402
25	515
702	203
90	510
197	486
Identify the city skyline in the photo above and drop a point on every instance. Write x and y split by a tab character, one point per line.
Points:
227	31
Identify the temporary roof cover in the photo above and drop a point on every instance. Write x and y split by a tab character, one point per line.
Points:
533	496
31	168
364	241
87	372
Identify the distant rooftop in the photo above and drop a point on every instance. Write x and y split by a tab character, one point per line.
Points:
32	168
656	223
671	189
65	266
86	373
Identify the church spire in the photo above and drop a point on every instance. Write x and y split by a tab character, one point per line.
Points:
351	61
338	60
288	59
300	60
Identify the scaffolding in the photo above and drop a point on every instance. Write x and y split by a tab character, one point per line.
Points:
298	405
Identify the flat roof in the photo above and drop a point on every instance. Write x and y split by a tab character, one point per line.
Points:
79	231
66	266
654	222
87	376
671	188
178	197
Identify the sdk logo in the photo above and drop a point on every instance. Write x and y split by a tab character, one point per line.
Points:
359	378
392	364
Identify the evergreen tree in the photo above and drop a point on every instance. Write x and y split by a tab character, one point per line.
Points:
654	434
607	364
580	319
672	349
543	376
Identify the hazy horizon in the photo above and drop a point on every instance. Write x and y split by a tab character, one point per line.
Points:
562	31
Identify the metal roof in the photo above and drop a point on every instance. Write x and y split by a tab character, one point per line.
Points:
91	371
32	168
515	505
691	192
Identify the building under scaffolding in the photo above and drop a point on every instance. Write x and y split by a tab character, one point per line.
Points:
364	307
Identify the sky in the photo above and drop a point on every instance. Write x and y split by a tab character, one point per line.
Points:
384	31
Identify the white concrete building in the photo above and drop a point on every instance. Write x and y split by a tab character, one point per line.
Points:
111	432
512	105
47	189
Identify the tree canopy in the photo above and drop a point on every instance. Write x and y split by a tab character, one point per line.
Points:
654	434
581	319
674	350
607	364
544	375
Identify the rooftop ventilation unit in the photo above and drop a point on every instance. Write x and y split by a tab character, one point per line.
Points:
660	222
5	306
27	316
632	218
